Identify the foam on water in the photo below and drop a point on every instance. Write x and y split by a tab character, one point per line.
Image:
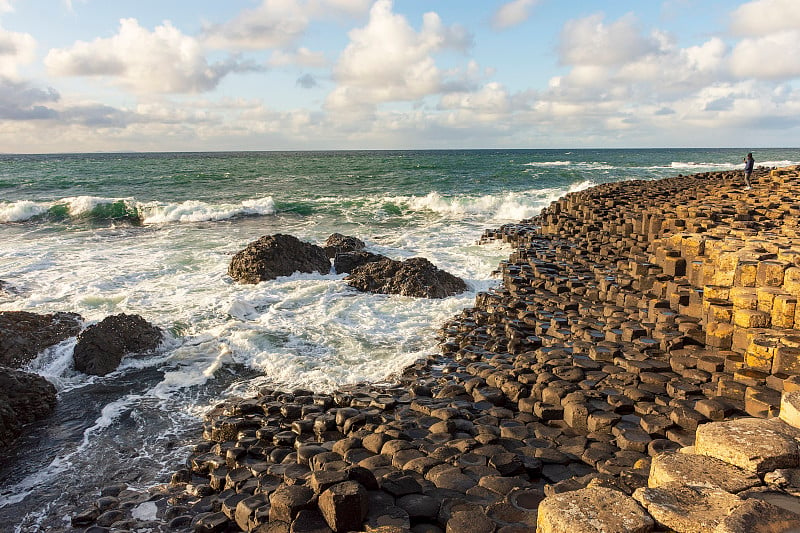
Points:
20	211
197	211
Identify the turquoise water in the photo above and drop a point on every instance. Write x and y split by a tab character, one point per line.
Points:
152	234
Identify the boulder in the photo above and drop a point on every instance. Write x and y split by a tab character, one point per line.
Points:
413	277
24	397
23	335
101	347
348	261
277	255
338	243
344	506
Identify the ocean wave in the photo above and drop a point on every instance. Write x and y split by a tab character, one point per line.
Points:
548	164
694	166
98	209
196	211
493	207
582	165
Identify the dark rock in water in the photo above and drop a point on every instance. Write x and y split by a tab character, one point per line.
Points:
347	261
24	397
23	335
338	243
413	277
101	347
277	255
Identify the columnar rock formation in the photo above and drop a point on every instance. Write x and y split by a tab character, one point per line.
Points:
634	320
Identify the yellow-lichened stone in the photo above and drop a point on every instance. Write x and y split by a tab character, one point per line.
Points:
719	334
763	346
784	309
791	281
749	318
726	268
692	246
766	297
786	361
744	297
771	273
716	292
745	275
717	311
758	362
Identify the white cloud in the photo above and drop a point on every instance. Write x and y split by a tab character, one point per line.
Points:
491	100
302	56
387	60
273	24
772	56
162	61
276	23
349	7
764	17
588	41
16	49
513	13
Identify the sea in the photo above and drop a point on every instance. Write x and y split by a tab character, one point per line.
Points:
153	234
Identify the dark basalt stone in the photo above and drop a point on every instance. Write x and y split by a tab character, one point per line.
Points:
277	255
348	261
101	347
23	335
24	398
413	277
338	243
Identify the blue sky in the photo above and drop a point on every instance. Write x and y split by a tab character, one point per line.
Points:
91	75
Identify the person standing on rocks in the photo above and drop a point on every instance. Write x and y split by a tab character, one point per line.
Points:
749	163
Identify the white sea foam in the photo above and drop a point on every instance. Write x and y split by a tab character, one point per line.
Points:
548	163
503	207
197	211
21	211
150	212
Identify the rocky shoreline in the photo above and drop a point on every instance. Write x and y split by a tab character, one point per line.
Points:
634	320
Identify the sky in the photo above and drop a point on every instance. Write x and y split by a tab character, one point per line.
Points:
172	75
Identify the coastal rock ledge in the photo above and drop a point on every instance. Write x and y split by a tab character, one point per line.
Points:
277	255
634	319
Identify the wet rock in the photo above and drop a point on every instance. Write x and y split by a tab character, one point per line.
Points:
23	335
337	243
413	277
102	346
24	398
277	255
346	262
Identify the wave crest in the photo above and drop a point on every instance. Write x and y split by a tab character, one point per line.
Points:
97	209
